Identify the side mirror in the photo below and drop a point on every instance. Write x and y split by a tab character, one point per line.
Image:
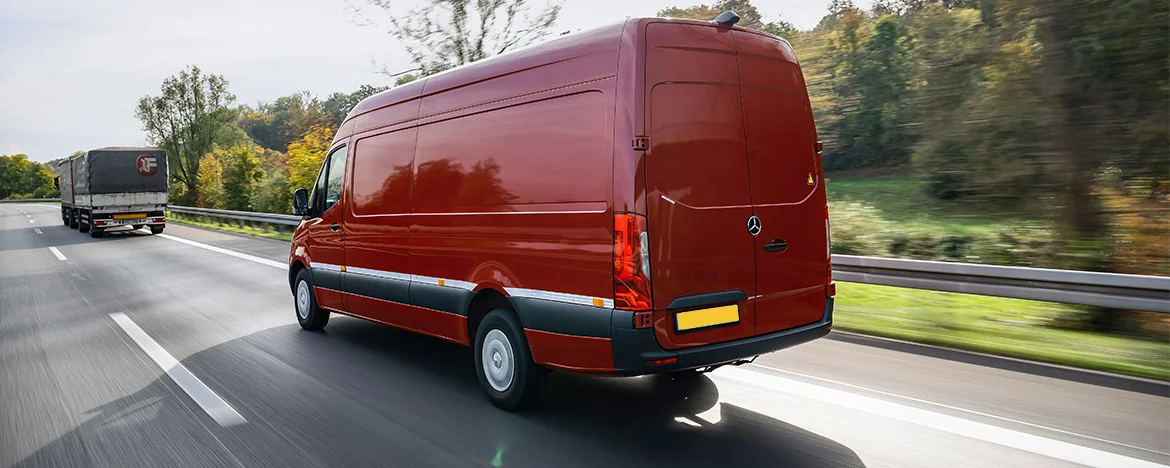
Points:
57	183
301	202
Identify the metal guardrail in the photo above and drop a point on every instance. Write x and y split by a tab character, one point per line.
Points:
32	200
1131	292
270	218
1120	291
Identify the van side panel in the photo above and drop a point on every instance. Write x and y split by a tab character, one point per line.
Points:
522	191
377	226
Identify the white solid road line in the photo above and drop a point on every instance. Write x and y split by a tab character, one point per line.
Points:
32	221
253	258
964	410
215	407
58	253
942	422
38	230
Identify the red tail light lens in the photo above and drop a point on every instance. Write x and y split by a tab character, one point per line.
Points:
631	262
831	289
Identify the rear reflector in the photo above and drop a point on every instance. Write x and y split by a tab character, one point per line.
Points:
631	262
644	319
659	362
831	290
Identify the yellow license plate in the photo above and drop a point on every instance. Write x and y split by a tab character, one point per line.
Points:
703	318
129	215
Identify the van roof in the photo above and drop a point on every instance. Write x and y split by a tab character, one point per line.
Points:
127	148
575	44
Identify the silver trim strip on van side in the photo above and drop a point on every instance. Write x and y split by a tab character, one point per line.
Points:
560	297
327	266
469	286
443	282
378	273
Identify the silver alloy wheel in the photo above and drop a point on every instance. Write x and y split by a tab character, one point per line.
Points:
499	365
303	299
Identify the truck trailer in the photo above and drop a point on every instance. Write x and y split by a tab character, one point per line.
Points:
113	187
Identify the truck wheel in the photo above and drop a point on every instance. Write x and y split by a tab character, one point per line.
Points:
65	219
503	363
309	315
96	233
156	229
138	226
83	227
73	224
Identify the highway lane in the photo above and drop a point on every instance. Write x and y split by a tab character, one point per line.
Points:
76	390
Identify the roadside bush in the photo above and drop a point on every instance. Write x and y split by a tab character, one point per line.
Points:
856	229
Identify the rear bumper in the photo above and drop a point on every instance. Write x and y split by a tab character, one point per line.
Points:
634	349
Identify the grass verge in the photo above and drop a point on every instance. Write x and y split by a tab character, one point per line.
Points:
239	229
1006	327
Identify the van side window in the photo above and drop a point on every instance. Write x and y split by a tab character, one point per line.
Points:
336	178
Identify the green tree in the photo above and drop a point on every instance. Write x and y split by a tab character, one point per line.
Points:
241	176
277	124
210	184
306	155
441	34
871	132
22	178
185	120
339	104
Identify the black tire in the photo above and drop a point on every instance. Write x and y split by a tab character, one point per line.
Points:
65	219
527	383
73	224
96	232
138	226
156	229
309	315
82	227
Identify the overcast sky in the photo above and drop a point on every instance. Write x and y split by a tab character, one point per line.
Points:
72	71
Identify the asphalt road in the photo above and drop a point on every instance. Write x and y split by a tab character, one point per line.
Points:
182	350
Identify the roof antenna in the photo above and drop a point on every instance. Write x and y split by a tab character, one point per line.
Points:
727	18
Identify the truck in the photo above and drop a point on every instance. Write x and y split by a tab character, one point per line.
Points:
114	187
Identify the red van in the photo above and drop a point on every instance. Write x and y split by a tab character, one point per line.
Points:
640	198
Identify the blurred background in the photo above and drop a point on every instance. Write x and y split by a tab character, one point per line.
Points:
1008	132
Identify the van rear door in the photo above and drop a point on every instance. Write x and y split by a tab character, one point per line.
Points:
788	191
698	190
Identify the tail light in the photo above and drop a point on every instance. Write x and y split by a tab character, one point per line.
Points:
830	289
631	262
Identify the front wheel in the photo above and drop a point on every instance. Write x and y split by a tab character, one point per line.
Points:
503	363
309	315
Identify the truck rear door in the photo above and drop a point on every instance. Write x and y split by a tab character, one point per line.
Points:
787	186
698	189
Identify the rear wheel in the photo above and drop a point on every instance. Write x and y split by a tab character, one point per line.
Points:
83	227
65	219
156	229
309	315
96	233
73	224
138	226
503	363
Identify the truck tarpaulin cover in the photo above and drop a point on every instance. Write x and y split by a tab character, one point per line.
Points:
120	170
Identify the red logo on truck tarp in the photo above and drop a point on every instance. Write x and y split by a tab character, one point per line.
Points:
147	164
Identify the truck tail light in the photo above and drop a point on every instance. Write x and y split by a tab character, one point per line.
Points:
631	262
830	289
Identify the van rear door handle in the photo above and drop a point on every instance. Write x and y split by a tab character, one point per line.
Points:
334	227
777	245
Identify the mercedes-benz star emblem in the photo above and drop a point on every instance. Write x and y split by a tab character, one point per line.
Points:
754	225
